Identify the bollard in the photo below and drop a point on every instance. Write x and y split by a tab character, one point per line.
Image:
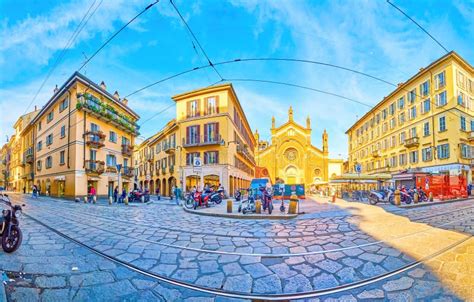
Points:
125	200
94	199
85	199
229	206
293	204
258	207
333	200
416	198
397	197
142	199
110	200
431	196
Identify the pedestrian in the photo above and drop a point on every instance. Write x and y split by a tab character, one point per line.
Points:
92	193
24	189
124	194
116	191
176	194
157	191
35	191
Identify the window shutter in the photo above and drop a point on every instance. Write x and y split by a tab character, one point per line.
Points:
187	135
217	104
198	128
198	107
217	157
206	106
217	131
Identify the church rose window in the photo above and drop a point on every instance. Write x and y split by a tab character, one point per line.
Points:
291	154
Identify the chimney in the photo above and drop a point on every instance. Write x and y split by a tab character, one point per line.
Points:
102	85
400	84
56	89
421	69
125	101
116	95
36	108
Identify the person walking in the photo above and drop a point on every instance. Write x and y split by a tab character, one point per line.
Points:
92	193
24	189
116	192
157	192
35	192
122	197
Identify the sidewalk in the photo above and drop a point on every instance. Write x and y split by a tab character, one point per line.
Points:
221	211
435	202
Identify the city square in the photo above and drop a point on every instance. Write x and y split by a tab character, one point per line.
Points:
238	150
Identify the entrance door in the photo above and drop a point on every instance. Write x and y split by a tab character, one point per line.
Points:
61	184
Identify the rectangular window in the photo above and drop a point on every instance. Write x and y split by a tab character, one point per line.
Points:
94	127
462	99
50	116
49	139
192	135
401	118
392	123
413	132
158	148
392	141
440	80
411	96
442	124
463	123
401	103
63	131
211	157
384	114
211	132
426	129
466	151
40	145
112	137
39	126
111	160
62	157
63	105
391	109
38	165
190	158
193	108
426	106
472	125
425	88
49	162
427	154
414	157
125	141
402	159
412	112
393	161
443	151
402	137
212	106
441	99
125	162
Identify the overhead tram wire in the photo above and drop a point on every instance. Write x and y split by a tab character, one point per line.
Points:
286	60
74	35
195	38
417	24
116	33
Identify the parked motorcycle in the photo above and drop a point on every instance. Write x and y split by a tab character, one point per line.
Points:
405	196
9	226
267	201
138	196
203	198
376	196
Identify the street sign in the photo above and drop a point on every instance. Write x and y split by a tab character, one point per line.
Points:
119	167
358	168
197	162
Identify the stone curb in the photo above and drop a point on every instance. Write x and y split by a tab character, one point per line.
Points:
424	204
241	216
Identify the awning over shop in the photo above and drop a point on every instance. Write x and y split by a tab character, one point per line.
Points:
354	177
92	178
60	178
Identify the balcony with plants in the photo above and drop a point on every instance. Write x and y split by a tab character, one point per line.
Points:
412	142
96	167
94	139
102	110
127	150
128	172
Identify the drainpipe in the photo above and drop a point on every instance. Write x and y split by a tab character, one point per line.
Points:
84	145
69	130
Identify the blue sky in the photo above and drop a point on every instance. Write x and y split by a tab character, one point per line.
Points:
369	36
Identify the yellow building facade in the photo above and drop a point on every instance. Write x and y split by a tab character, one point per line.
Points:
210	128
20	150
81	134
291	158
426	124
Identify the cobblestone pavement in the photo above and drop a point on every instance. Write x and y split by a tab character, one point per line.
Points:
333	245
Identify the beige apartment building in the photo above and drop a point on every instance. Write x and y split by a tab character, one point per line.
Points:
80	135
426	124
210	128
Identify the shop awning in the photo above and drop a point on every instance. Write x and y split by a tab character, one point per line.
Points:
92	178
60	178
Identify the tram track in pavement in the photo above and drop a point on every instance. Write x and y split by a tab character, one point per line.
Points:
256	296
80	220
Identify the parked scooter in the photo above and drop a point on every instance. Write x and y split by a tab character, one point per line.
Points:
282	205
203	198
248	206
376	196
405	196
9	226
